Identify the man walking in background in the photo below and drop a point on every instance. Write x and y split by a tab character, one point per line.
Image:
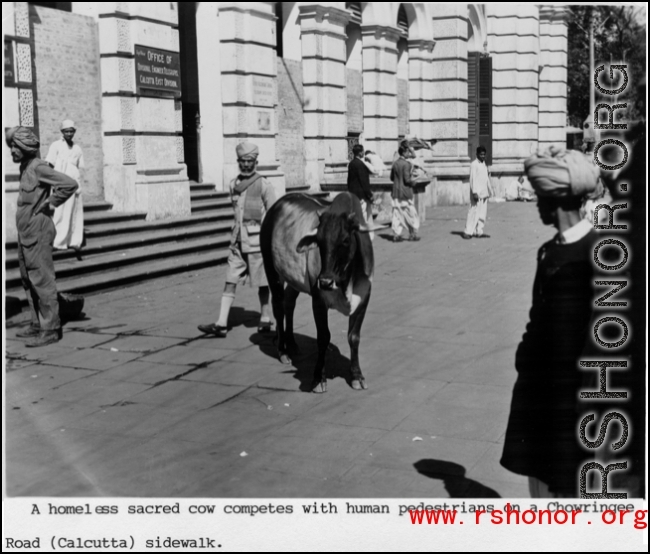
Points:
480	189
42	189
404	213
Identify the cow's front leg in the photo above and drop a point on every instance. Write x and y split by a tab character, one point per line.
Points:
290	297
354	338
319	382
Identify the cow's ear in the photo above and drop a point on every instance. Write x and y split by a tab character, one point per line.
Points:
308	242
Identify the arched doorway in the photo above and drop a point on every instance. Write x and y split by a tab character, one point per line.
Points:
479	84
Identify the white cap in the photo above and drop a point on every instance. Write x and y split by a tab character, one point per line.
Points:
67	124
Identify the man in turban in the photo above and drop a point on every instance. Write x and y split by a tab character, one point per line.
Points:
542	440
41	190
252	196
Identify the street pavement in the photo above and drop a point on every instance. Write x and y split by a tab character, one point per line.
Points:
135	401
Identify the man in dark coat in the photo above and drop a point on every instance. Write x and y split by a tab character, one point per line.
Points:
41	190
359	181
542	440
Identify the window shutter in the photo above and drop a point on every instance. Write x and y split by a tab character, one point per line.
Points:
485	106
472	103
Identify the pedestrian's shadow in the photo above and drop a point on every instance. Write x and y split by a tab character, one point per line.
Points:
303	361
453	476
386	236
457	233
239	316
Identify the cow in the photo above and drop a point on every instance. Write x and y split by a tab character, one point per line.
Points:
323	249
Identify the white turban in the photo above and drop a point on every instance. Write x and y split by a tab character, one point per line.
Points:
559	173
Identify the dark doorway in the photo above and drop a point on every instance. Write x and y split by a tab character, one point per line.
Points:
63	6
189	87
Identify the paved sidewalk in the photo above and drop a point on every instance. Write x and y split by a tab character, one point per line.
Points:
134	401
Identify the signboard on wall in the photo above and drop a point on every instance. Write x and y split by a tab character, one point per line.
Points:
10	66
158	70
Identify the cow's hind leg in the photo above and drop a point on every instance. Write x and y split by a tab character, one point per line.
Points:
277	302
319	382
354	338
290	297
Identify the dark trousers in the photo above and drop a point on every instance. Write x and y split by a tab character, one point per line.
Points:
38	277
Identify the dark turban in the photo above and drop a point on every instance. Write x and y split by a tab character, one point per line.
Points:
561	173
23	138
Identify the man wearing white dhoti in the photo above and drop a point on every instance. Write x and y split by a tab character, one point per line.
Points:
480	189
66	156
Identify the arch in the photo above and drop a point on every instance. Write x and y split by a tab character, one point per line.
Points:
476	29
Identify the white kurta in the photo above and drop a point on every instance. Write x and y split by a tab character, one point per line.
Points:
68	217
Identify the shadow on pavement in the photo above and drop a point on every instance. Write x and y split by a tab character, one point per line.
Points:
12	307
304	360
453	476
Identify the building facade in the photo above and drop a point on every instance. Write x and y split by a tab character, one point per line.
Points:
162	92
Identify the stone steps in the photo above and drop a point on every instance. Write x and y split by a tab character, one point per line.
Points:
124	248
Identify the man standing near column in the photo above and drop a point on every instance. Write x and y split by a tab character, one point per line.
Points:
480	189
252	196
359	182
41	190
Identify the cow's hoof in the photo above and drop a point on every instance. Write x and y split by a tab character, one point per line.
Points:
284	358
359	384
320	388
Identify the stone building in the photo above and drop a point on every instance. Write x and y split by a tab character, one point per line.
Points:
163	91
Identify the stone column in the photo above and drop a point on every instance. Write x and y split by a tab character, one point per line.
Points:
513	41
325	105
450	162
210	96
380	89
143	145
552	76
421	75
17	99
248	85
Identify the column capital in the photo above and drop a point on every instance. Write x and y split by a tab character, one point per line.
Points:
320	13
559	14
422	45
392	34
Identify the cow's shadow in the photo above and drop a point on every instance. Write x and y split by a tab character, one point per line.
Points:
302	362
453	477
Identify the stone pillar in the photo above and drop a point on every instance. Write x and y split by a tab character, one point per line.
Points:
210	97
421	75
380	89
143	145
17	98
248	85
325	105
450	162
513	41
553	49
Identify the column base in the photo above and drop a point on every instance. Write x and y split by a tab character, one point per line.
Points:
163	193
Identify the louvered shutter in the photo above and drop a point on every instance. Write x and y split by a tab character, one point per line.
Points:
472	103
485	106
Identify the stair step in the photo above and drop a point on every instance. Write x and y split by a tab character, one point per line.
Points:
140	226
110	280
211	204
209	195
156	236
97	218
105	263
97	206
